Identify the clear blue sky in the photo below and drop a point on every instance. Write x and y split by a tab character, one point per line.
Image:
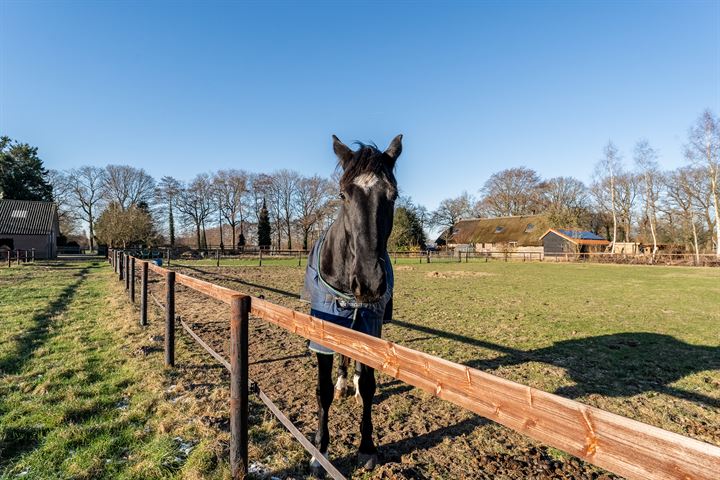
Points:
182	88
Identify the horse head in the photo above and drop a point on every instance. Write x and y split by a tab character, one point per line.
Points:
360	233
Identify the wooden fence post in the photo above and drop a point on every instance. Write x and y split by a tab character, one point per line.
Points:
170	319
428	257
17	256
132	279
120	265
143	293
260	257
240	308
127	271
9	258
217	257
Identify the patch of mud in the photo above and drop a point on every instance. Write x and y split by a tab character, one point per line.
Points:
457	274
403	268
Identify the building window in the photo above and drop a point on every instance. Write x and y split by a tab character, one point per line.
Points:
499	229
530	227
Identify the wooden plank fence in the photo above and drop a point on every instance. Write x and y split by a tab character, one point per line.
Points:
618	444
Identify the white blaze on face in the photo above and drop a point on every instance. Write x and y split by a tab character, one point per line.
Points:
366	181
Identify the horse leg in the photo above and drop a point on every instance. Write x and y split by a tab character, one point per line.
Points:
324	393
341	384
367	455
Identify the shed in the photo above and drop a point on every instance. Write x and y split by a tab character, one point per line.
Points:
29	225
558	241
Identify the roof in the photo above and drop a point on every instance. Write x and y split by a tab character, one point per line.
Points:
25	217
578	237
525	230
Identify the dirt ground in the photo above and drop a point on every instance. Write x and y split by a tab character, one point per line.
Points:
418	435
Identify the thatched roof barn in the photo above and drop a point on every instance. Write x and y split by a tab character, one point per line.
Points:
490	233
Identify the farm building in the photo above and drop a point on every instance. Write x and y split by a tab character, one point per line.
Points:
498	235
559	242
29	225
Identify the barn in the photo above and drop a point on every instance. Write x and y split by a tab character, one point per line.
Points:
558	241
498	235
29	225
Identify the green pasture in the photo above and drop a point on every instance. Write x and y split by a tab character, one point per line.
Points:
74	400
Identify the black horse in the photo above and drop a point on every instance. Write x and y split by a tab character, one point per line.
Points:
349	277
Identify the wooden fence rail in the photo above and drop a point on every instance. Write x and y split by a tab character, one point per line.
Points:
621	445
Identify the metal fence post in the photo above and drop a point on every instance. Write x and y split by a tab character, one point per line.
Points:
143	293
132	279
240	308
170	319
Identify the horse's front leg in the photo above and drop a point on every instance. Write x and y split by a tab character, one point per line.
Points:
324	393
367	455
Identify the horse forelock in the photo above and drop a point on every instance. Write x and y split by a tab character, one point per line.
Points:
368	162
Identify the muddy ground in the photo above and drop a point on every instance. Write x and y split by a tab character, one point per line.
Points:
418	435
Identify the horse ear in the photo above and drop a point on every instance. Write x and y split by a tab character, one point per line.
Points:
342	151
394	150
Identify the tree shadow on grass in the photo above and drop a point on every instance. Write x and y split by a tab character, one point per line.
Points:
35	336
616	365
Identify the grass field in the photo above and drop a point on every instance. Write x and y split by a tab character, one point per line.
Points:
78	398
74	400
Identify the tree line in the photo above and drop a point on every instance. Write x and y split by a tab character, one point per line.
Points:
629	199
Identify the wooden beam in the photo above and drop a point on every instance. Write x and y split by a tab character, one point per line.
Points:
627	447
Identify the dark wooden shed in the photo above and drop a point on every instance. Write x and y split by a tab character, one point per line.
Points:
558	241
29	225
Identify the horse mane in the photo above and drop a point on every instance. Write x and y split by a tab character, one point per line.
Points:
366	159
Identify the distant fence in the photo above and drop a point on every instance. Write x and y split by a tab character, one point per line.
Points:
16	257
255	255
618	444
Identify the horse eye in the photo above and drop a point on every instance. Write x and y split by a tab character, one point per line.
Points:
342	195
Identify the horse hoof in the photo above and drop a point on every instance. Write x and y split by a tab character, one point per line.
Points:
368	461
316	469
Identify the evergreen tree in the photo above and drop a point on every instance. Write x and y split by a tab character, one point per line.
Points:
407	232
264	239
22	175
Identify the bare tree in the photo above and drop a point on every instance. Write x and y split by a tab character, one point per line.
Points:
681	188
127	185
703	150
566	200
86	189
231	186
313	197
195	203
63	197
606	171
285	185
450	211
515	191
646	163
626	190
166	194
